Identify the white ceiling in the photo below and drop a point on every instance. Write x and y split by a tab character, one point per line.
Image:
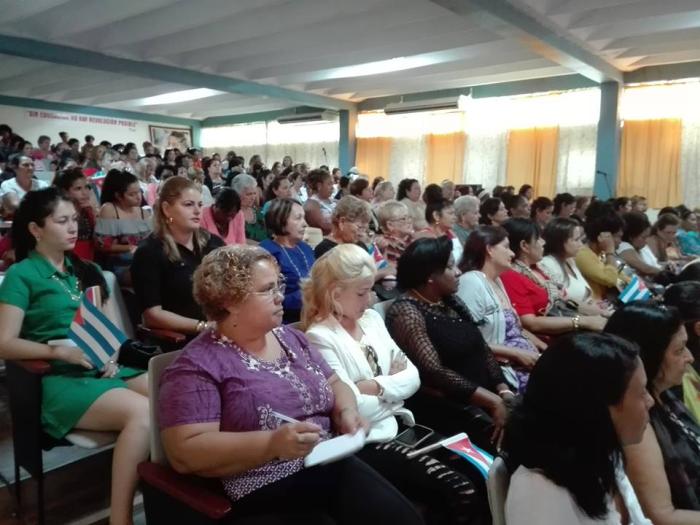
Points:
303	45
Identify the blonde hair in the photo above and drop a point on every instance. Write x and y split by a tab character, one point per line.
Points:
342	265
352	209
225	278
388	211
170	191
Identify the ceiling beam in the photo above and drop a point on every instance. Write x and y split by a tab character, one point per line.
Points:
513	22
59	54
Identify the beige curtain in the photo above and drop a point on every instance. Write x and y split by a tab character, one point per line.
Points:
445	157
373	156
533	159
650	161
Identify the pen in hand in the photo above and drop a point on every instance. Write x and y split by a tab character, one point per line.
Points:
287	419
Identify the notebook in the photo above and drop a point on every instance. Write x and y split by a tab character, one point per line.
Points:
336	448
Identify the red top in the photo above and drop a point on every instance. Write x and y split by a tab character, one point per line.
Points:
527	297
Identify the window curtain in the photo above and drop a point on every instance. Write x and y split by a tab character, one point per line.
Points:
445	157
576	163
650	161
407	159
486	158
532	159
690	163
373	156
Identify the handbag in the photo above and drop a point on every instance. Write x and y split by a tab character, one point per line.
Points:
562	308
135	354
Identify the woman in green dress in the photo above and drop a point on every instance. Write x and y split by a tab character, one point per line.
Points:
38	299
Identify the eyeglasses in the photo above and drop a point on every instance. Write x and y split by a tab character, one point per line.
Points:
372	358
275	290
400	219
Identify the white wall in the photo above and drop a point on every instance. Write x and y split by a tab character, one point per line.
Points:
30	123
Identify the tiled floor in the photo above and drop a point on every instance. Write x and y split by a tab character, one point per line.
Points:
76	485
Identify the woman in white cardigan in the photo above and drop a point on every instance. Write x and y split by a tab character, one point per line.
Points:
356	344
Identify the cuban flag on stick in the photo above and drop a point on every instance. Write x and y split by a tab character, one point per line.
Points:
376	254
94	333
636	290
461	445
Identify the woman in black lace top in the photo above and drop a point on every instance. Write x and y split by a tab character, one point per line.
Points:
435	329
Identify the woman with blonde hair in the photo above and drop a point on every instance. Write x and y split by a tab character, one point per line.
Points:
165	262
354	341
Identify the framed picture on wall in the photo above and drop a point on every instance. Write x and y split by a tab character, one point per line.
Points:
168	138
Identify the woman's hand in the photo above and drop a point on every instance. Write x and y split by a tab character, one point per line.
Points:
110	370
349	421
398	364
369	387
499	414
72	355
590	308
524	359
593	322
295	440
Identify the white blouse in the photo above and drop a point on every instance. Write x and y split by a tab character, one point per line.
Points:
645	254
577	287
345	356
484	306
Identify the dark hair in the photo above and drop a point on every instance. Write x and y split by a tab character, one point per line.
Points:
520	230
127	148
474	254
260	175
572	387
684	296
359	185
274	185
163	167
601	217
64	179
228	200
650	326
498	191
513	201
690	273
665	219
620	203
376	182
404	187
524	189
557	232
489	207
437	205
88	138
668	210
540	204
422	259
116	182
73	141
315	178
562	199
343	181
432	193
278	214
35	207
636	223
43	138
685	213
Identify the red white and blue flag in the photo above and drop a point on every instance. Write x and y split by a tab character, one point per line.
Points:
461	445
93	332
636	290
376	254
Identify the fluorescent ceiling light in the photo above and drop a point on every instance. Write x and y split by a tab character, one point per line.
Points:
179	96
381	66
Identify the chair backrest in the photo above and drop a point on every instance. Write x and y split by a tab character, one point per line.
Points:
313	236
497	486
383	307
156	366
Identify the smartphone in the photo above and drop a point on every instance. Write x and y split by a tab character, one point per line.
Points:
414	436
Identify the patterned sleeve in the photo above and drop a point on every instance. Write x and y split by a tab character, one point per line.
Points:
407	327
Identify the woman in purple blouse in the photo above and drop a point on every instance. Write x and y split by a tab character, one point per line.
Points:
219	399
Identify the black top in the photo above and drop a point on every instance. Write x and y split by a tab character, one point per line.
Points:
445	344
160	282
324	246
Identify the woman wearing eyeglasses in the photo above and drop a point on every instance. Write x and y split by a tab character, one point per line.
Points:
356	344
223	399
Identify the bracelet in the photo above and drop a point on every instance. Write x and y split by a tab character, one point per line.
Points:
576	322
201	325
501	392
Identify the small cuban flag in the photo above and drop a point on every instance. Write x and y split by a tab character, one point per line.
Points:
376	254
461	445
636	290
94	333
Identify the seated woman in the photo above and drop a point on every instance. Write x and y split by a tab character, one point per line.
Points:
467	216
597	260
383	192
320	204
121	223
397	230
541	211
38	300
286	224
562	475
222	400
493	212
688	234
247	188
440	216
435	329
224	218
665	466
409	193
350	224
165	262
486	256
361	189
663	241
279	188
531	292
684	296
634	250
518	207
355	343
74	185
562	242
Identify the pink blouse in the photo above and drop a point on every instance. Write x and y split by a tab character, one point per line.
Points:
236	227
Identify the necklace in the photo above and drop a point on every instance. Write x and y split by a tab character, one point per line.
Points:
75	294
424	299
307	265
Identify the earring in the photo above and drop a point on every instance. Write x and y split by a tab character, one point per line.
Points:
170	220
430	281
